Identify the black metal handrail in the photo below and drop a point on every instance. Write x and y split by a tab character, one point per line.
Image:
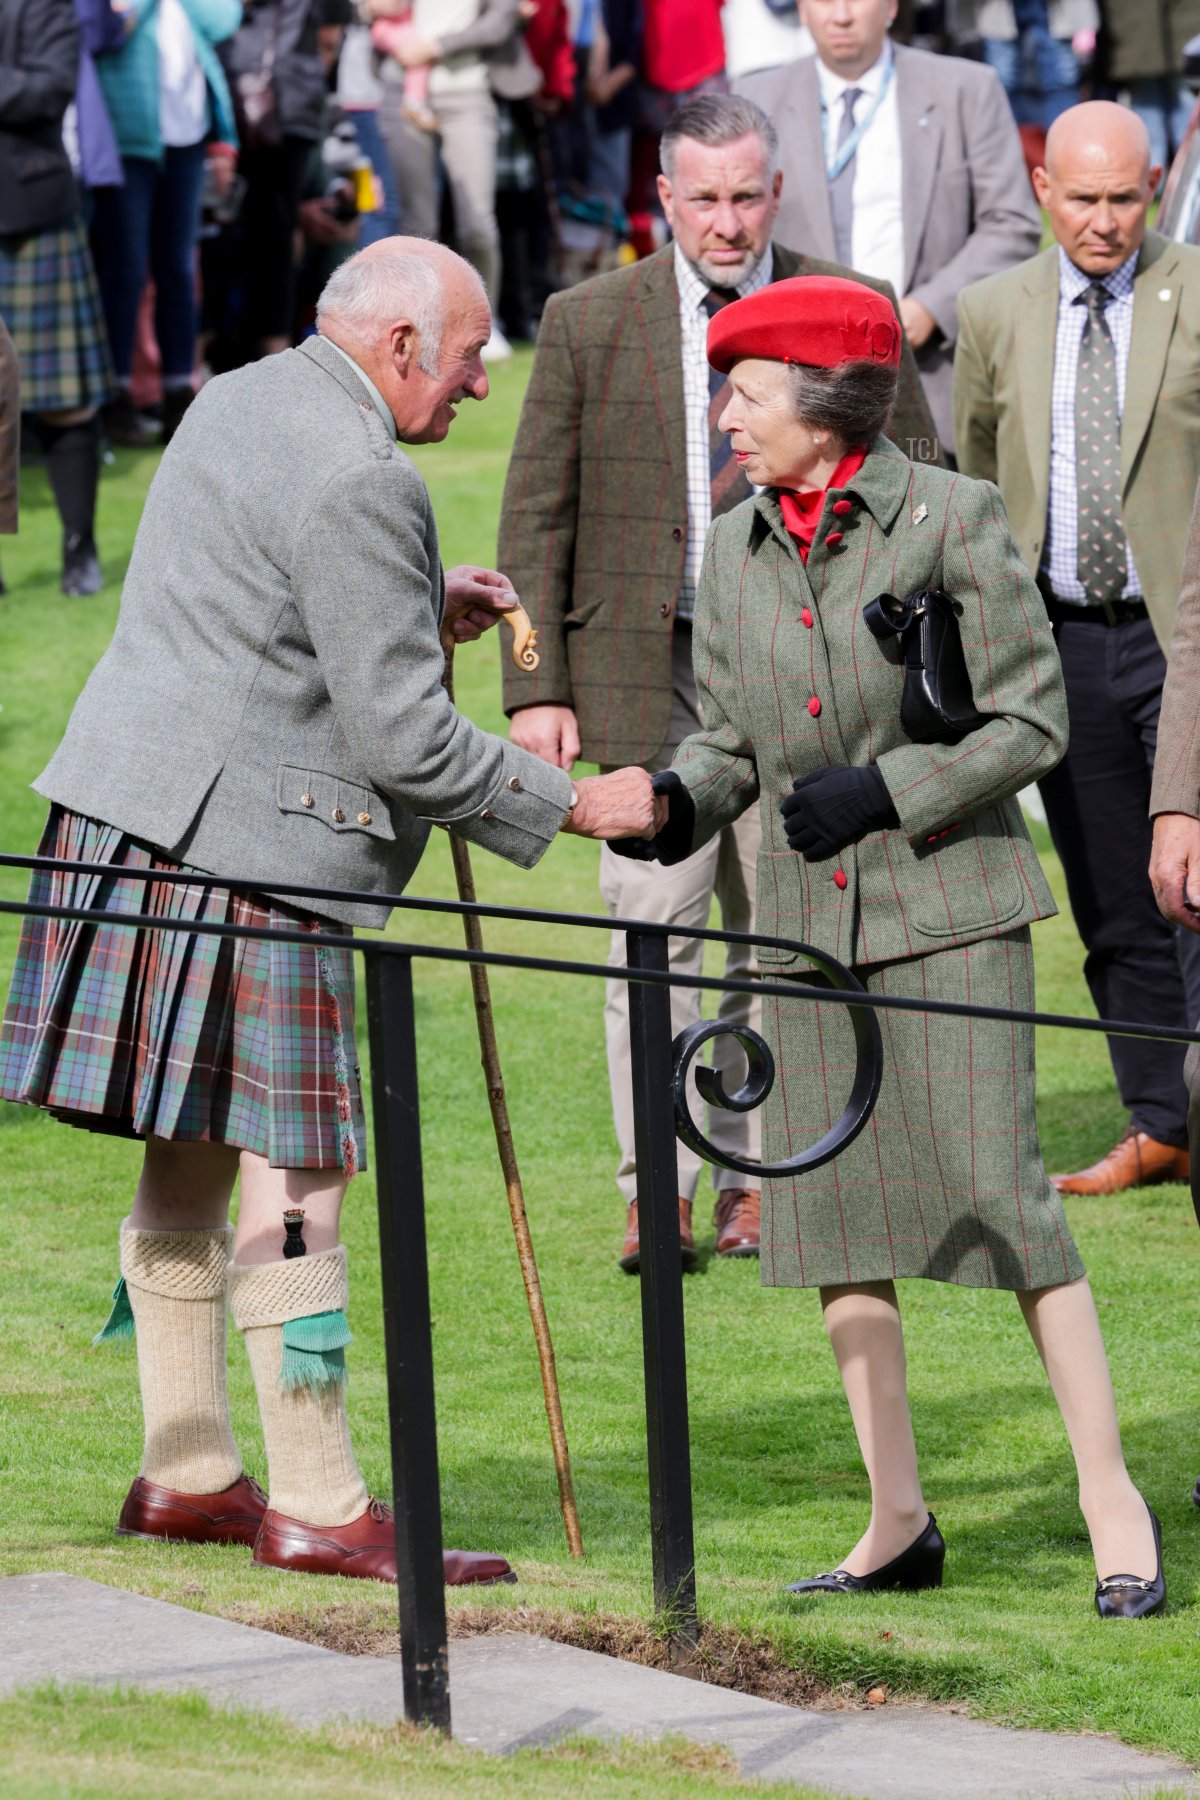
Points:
660	1070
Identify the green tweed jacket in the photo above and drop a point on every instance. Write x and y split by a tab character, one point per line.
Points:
1003	375
593	531
791	680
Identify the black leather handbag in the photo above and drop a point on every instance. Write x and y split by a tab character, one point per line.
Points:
936	703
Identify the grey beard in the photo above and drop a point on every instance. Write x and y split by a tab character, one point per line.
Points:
726	276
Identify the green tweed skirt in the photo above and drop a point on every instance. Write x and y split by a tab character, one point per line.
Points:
947	1180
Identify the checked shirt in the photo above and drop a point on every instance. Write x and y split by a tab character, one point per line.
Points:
693	324
1060	559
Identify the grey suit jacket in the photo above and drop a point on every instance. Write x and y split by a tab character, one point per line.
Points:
277	645
968	207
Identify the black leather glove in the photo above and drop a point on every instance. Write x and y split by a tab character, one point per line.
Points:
674	842
831	808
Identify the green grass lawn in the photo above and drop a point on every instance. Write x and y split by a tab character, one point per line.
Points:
779	1490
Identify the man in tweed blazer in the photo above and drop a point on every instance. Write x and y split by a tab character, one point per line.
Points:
609	494
1095	446
271	709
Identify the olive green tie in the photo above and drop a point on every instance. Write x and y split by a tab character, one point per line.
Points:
1100	558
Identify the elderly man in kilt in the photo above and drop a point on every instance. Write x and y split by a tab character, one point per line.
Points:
892	841
48	294
271	707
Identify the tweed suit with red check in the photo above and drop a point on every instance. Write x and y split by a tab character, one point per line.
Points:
947	1179
593	530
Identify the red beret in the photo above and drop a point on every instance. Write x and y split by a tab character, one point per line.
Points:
821	320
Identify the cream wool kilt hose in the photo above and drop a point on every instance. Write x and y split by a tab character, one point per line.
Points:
175	1281
311	1471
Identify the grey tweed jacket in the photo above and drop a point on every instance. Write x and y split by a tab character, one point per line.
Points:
271	704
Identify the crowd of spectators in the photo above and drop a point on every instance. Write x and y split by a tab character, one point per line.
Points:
183	175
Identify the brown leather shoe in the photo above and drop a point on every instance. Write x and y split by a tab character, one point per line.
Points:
630	1252
737	1217
1135	1160
230	1517
365	1548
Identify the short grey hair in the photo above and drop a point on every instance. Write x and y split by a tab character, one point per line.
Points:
717	119
366	292
854	401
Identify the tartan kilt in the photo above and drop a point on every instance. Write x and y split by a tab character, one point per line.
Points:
196	1039
50	301
947	1180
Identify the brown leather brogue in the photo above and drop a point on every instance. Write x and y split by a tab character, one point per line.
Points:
366	1548
738	1219
630	1249
1135	1160
230	1517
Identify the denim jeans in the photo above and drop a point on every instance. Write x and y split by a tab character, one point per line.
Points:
1164	106
1039	73
387	221
149	226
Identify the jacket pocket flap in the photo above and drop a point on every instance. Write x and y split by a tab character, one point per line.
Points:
339	803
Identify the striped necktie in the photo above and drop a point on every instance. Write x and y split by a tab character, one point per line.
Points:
728	485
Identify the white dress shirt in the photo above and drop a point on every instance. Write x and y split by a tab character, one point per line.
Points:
1062	533
693	330
878	237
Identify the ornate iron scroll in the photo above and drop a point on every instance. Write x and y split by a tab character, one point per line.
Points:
760	1079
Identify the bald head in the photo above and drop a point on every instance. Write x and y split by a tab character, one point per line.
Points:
1097	184
1093	135
414	316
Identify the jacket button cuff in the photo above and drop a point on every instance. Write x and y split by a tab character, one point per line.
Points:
338	816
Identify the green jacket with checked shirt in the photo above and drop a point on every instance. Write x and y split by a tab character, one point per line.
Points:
772	636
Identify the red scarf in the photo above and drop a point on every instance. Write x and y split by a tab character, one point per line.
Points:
802	512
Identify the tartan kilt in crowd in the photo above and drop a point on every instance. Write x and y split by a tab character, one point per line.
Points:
947	1180
50	301
195	1039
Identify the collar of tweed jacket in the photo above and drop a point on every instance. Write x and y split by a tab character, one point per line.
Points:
880	485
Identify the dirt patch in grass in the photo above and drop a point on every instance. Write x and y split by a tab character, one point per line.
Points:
724	1658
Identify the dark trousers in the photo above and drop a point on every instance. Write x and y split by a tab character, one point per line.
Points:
1097	802
150	226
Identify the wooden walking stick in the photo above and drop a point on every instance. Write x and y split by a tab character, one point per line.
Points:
524	654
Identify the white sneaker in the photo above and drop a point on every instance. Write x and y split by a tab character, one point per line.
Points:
497	348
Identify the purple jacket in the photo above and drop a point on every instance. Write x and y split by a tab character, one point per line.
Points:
100	29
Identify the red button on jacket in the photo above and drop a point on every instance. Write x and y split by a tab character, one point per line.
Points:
806	617
833	540
843	508
839	878
814	706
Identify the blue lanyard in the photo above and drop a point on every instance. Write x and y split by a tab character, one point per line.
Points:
836	160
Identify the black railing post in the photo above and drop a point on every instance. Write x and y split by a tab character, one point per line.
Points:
662	1290
408	1339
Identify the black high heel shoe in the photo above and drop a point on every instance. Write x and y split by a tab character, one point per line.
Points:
1131	1596
920	1566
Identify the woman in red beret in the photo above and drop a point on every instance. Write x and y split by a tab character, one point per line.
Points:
908	860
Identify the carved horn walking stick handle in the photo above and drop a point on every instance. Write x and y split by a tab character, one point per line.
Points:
524	644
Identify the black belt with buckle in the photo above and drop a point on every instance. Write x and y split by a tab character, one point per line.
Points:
1102	612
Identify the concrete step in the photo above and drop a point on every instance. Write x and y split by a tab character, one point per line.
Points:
509	1690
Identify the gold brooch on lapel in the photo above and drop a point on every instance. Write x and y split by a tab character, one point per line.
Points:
920	514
